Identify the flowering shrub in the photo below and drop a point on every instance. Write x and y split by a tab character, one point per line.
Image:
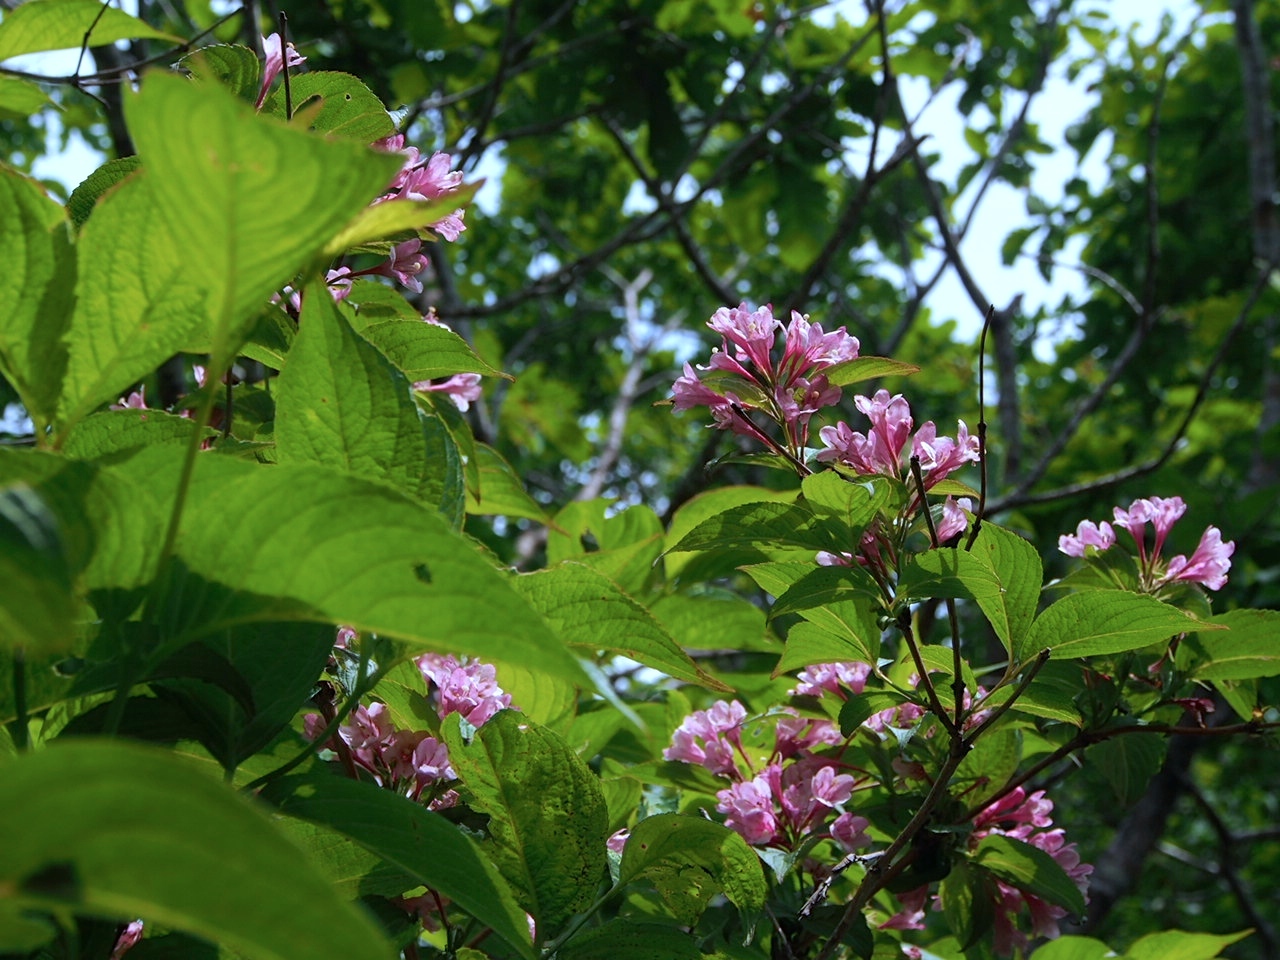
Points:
864	780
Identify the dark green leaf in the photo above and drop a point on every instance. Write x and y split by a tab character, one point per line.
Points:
146	834
623	939
547	815
1031	869
1128	762
1105	621
1248	648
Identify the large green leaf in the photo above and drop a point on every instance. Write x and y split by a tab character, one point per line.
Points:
262	197
40	25
422	844
21	98
1031	869
704	506
1073	948
37	602
263	543
419	350
547	815
341	404
868	368
1182	945
137	303
851	504
145	834
1248	648
589	610
346	107
1104	621
766	523
1001	574
690	860
36	287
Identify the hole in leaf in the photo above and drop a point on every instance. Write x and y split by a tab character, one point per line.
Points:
422	572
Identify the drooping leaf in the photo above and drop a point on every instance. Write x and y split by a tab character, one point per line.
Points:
547	815
690	860
590	610
810	643
21	98
1248	648
41	25
422	844
852	505
299	542
501	492
146	834
36	286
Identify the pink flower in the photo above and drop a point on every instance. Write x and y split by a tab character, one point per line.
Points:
940	456
432	180
849	830
137	400
1100	537
707	738
404	264
749	809
1208	565
822	678
910	916
128	938
954	518
463	389
345	637
807	348
470	689
750	332
450	226
275	62
617	841
831	789
803	398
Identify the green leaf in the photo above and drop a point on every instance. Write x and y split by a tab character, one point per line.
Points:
809	643
990	764
263	197
111	432
21	98
353	870
1031	869
1182	945
501	493
547	815
1247	649
769	523
234	66
707	505
37	603
1104	621
341	404
714	621
423	844
261	543
690	860
36	287
136	303
624	939
1073	948
1128	762
868	368
420	350
1001	574
84	197
968	899
40	25
348	108
851	504
589	610
146	834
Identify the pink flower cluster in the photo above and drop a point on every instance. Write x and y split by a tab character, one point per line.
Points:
1027	818
879	452
795	791
1208	565
745	377
413	762
421	179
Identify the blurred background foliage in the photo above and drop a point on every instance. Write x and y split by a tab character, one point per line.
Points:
650	160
